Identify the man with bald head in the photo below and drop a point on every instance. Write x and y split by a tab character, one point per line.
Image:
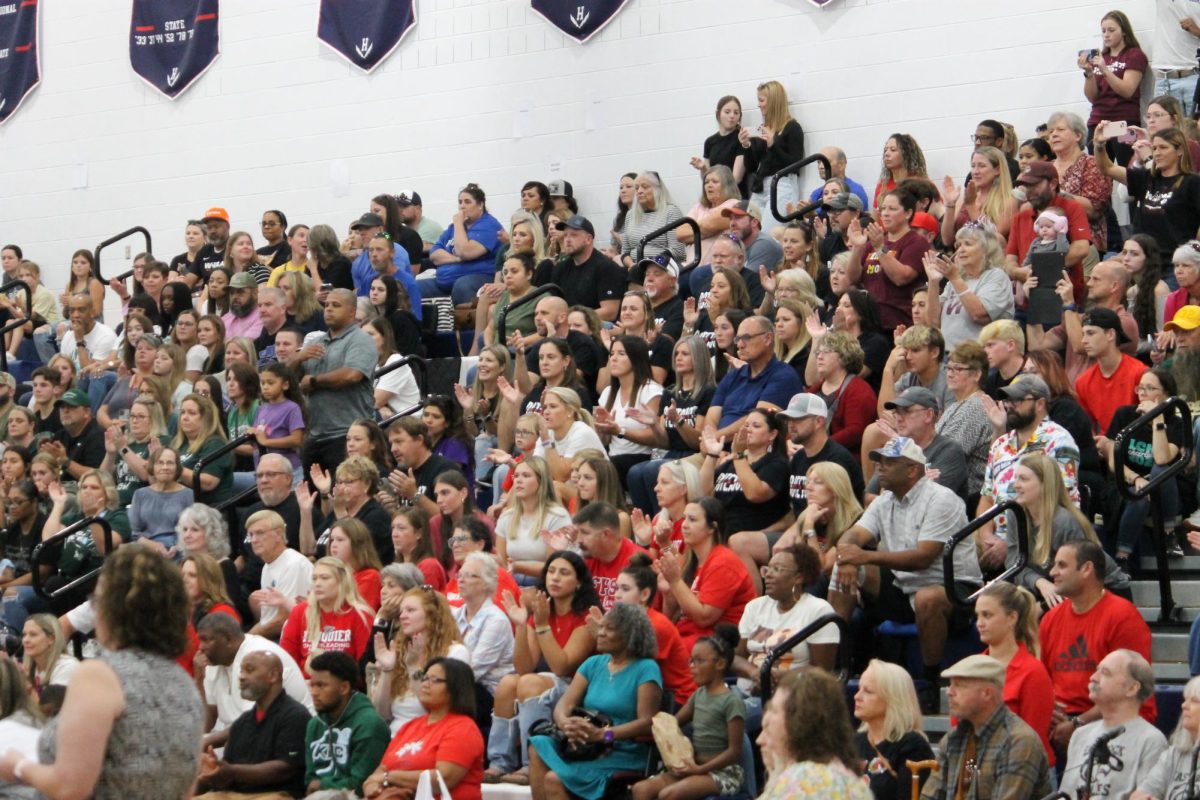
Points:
837	161
550	319
264	751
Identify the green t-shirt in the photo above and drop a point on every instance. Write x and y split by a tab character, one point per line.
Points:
222	469
710	720
79	554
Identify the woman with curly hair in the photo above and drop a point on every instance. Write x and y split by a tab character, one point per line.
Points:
902	158
334	618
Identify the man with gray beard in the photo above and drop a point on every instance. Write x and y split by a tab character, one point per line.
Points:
273	481
1185	366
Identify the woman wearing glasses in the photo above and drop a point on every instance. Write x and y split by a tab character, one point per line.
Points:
276	252
971	289
485	629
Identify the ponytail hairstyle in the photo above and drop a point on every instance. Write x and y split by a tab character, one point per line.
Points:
291	384
1020	601
724	641
644	576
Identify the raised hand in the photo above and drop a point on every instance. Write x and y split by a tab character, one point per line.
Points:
1064	289
385	657
497	456
517	613
766	279
710	443
305	499
320	478
816	329
643	415
875	235
933	268
855	235
594	617
951	194
464	398
508	392
691	314
995	413
640	525
668	568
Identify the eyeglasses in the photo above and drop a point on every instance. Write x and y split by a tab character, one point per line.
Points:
459	540
524	432
746	337
775	569
959	368
1140	389
425	677
976	138
1010	402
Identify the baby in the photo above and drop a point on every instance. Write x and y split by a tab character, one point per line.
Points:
1051	230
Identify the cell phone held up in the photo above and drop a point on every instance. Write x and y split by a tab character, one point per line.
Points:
1089	54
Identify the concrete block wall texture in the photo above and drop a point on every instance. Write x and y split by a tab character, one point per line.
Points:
487	91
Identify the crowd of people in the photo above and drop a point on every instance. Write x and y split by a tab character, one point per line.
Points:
315	578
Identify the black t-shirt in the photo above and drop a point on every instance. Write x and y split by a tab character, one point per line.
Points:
832	451
19	544
532	404
279	737
912	746
1168	208
585	284
280	253
1065	411
87	448
724	149
589	357
338	272
52	424
689	412
787	149
668	315
180	265
410	240
661	353
876	349
407	333
740	513
208	259
427	473
1139	448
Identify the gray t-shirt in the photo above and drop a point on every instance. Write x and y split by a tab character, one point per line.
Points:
994	291
942	453
764	252
1065	528
1170	777
937	386
710	720
1132	756
332	411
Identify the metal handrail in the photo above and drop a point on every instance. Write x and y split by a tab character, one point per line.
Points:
13	324
789	644
1166	609
420	362
970	528
545	288
792	169
114	240
670	226
35	559
198	489
333	437
225	505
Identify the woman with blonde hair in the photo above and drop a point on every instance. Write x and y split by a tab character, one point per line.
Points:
206	587
170	364
1053	520
975	290
200	433
677	484
988	196
530	508
777	143
300	299
1007	618
566	427
891	731
831	508
652	208
333	618
47	661
426	630
792	340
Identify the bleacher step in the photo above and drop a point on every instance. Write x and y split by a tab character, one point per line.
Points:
1148	566
1186	593
1168	647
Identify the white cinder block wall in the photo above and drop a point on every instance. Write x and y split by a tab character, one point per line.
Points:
279	113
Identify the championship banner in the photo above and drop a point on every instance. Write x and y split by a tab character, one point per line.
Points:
579	19
19	69
173	42
365	32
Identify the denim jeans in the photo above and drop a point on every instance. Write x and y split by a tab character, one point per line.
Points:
462	293
1134	516
97	387
1182	89
18	608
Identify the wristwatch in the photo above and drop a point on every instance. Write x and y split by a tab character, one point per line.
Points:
1160	426
609	736
620	432
125	450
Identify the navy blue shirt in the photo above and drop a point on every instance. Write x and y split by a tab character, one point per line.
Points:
738	393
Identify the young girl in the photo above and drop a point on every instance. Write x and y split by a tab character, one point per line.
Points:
83	281
279	422
718	718
242	385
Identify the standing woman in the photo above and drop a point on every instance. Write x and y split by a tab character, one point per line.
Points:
83	281
1112	80
194	238
891	732
652	209
240	256
1147	295
988	196
1078	173
902	158
350	541
723	148
782	144
333	618
200	433
276	252
131	722
719	190
631	387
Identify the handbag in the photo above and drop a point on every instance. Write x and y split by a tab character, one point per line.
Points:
575	751
425	786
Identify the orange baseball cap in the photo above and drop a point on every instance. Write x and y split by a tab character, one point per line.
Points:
216	212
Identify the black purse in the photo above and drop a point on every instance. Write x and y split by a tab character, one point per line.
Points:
575	751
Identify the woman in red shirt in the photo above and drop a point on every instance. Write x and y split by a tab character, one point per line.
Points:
713	584
410	537
334	618
1006	616
350	541
637	584
472	536
446	739
205	586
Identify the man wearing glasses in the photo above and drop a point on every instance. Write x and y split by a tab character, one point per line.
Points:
990	133
1029	430
763	381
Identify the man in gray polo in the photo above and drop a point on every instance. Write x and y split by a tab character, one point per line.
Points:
915	413
339	370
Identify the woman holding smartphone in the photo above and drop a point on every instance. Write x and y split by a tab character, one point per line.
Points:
1112	79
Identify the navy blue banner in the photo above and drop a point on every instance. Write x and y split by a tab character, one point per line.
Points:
19	71
579	19
173	42
365	32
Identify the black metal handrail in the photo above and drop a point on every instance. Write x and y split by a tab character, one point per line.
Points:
670	226
785	647
113	240
13	324
970	528
411	359
792	169
1166	609
408	412
225	505
35	559
546	288
198	492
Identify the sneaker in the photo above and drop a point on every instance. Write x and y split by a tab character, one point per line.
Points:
1173	548
929	697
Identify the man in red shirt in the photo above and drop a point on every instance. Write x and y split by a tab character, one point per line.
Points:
1111	381
605	551
1040	181
1076	634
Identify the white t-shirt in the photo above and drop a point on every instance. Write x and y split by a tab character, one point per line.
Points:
407	708
100	343
402	385
580	436
1173	47
222	688
64	668
291	574
522	541
763	625
623	447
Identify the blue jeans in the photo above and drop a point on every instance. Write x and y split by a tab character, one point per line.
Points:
462	293
97	387
25	603
1182	89
1134	516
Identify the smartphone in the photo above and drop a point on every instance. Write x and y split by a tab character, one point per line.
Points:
1089	53
326	287
1115	130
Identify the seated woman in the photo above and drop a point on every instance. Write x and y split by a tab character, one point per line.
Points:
333	618
594	480
622	682
426	630
352	496
566	429
712	584
516	275
452	496
410	538
831	508
464	257
210	333
395	580
851	401
530	508
719	191
365	438
964	421
1146	297
445	738
14	463
637	585
637	319
678	484
485	630
443	419
156	508
792	340
397	390
350	541
202	530
170	364
393	304
971	289
200	433
205	587
631	386
23	523
891	732
119	398
807	742
857	314
1053	521
21	431
552	640
47	659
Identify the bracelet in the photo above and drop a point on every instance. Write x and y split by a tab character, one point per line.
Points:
540	631
1071	307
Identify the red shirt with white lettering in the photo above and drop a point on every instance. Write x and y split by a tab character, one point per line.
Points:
604	574
346	631
721	581
420	745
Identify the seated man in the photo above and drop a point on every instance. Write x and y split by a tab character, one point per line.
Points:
902	579
265	749
345	742
1009	762
605	551
1113	754
916	413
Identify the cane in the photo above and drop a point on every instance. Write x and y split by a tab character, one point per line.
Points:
915	768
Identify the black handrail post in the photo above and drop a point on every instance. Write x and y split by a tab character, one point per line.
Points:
12	325
113	240
411	359
545	288
35	558
1166	612
965	532
785	647
792	169
198	488
670	226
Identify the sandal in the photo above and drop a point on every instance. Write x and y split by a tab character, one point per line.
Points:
518	778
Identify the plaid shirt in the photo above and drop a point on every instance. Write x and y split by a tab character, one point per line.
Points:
1011	763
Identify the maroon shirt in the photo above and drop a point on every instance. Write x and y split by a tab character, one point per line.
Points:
894	300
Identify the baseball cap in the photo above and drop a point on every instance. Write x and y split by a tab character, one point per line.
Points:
1105	318
743	208
981	667
925	221
664	261
242	280
914	396
216	212
1186	318
900	447
843	201
413	199
1026	386
577	222
1036	171
560	188
805	404
74	397
368	220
